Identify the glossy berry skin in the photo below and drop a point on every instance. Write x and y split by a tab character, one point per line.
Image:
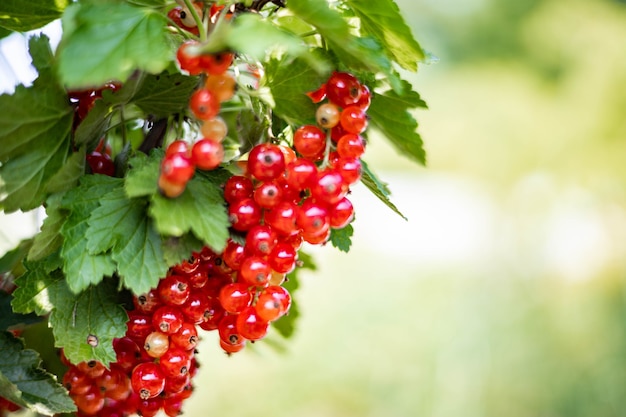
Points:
266	162
309	141
244	214
196	306
222	85
138	326
327	115
214	128
127	353
214	315
312	217
343	89
177	168
234	254
301	174
207	154
235	297
101	163
317	95
168	319
250	325
156	344
173	290
268	194
216	64
269	307
353	119
366	98
350	145
237	188
177	146
341	213
255	271
147	303
186	61
91	402
261	239
186	338
76	382
329	187
282	258
147	380
282	218
204	104
175	362
227	330
349	169
281	294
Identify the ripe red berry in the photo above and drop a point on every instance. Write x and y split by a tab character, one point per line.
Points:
237	188
250	325
222	85
309	141
213	315
268	194
244	214
283	258
216	64
227	330
317	95
91	402
196	306
312	217
175	362
350	145
203	104
177	146
207	154
147	303
365	99
261	239
177	168
234	254
147	380
341	213
349	169
138	326
282	218
186	338
76	382
168	319
255	271
330	187
235	296
127	353
343	89
353	119
101	163
301	174
187	61
266	162
173	290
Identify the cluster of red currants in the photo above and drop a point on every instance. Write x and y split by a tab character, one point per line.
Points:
206	153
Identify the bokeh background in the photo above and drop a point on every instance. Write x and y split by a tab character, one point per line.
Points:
504	293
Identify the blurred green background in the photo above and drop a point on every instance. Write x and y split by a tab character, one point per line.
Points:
504	293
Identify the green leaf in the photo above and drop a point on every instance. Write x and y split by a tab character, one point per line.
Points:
4	32
356	52
13	258
21	16
95	124
382	20
389	113
35	125
81	267
126	39
67	177
24	382
9	318
142	176
33	288
121	225
93	312
200	209
378	188
49	239
289	81
342	238
286	324
176	249
164	94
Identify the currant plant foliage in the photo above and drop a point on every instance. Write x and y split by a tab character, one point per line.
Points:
183	152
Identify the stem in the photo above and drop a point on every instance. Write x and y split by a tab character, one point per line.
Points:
123	125
309	33
155	136
198	19
329	143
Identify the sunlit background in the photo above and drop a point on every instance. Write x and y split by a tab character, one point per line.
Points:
504	293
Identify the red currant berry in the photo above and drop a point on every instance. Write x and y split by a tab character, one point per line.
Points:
147	380
237	188
91	402
317	95
350	145
213	315
260	240
330	187
216	64
250	325
273	303
203	104
76	382
268	194
234	254
343	89
176	385
365	99
349	169
186	338
235	297
175	362
127	353
282	218
173	290
187	61
341	213
312	217
222	85
244	214
214	128
301	174
147	303
207	154
309	141
171	189
149	407
227	330
283	258
353	119
255	271
177	146
232	348
101	163
266	162
168	319
177	168
196	307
